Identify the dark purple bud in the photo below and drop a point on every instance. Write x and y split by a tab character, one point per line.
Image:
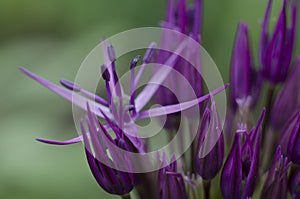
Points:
149	53
102	154
241	66
70	85
171	182
276	50
293	149
105	73
134	62
210	149
231	177
294	182
287	99
275	186
111	53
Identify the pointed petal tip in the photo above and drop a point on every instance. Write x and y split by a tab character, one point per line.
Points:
24	70
56	142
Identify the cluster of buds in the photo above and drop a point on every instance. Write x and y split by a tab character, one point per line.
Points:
248	162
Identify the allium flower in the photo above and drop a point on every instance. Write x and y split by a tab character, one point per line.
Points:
287	99
210	153
293	149
242	164
276	182
276	50
294	181
171	182
118	108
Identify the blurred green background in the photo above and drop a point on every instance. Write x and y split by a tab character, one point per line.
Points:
51	38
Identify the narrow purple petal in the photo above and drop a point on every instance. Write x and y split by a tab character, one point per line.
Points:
76	99
165	110
57	142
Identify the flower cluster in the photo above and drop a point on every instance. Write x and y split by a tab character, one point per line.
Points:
249	158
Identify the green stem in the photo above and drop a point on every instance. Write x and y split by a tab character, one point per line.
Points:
126	196
193	151
269	103
206	188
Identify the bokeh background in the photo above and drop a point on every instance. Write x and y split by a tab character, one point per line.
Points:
51	38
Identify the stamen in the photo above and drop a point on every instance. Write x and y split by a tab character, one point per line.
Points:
111	53
115	86
133	64
105	73
146	59
76	88
70	85
106	76
149	53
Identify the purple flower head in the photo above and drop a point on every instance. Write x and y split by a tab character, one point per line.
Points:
294	182
293	149
242	163
171	182
276	182
101	147
241	67
210	153
122	110
287	99
276	50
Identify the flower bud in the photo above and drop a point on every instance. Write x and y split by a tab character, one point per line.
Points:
210	149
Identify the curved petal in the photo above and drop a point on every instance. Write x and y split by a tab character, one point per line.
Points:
74	98
165	110
57	142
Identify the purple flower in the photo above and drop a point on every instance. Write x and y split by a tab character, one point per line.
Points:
276	182
294	181
122	111
287	99
210	153
101	147
242	163
276	50
293	149
171	182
